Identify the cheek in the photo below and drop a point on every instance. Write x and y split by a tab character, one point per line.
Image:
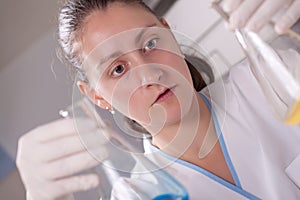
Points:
127	101
181	66
175	62
166	113
138	109
106	91
184	70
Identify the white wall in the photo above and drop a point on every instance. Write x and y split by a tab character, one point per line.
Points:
11	188
203	24
30	93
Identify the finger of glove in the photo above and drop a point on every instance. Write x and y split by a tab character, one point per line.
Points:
53	130
60	148
242	14
77	184
61	128
289	18
71	165
66	146
264	14
29	141
94	138
231	5
63	188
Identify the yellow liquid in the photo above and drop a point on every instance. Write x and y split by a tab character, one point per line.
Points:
293	118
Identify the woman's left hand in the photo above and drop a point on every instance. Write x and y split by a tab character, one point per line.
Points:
254	14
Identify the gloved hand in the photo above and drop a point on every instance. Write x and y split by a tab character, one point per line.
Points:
254	14
50	155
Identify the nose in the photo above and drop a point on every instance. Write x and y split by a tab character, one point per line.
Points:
147	72
150	75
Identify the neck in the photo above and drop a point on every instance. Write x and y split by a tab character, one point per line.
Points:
184	138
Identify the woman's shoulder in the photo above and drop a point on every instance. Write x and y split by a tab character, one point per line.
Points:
239	80
237	73
230	84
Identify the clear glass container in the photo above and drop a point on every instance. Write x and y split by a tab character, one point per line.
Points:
277	71
126	173
278	74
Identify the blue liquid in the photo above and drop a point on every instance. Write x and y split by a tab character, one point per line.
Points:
170	197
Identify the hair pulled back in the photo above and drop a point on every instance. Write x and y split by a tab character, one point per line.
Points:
71	23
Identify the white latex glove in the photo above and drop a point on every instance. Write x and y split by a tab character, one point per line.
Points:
254	14
50	155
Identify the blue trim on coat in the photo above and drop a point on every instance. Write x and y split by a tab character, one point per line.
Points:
222	143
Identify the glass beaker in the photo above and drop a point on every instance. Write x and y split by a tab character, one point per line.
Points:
126	173
276	71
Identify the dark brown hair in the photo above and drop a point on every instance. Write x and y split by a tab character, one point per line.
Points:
71	21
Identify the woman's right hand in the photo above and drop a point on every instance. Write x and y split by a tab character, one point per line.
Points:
255	14
50	156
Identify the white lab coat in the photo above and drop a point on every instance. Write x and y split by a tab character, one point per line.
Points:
264	152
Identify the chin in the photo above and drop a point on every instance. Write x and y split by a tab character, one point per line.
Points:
173	116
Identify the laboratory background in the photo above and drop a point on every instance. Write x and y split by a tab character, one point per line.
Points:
35	84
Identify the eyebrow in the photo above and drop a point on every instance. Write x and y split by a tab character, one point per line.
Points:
107	58
119	53
142	32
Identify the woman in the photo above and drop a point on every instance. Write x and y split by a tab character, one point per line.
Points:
131	62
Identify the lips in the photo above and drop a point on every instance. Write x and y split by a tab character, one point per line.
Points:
164	95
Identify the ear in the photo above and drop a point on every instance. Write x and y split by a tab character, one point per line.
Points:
85	89
165	23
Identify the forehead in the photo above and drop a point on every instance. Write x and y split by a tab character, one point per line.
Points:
102	24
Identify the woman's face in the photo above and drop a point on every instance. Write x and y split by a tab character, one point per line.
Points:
133	61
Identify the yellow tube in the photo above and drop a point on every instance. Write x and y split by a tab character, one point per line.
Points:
293	118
